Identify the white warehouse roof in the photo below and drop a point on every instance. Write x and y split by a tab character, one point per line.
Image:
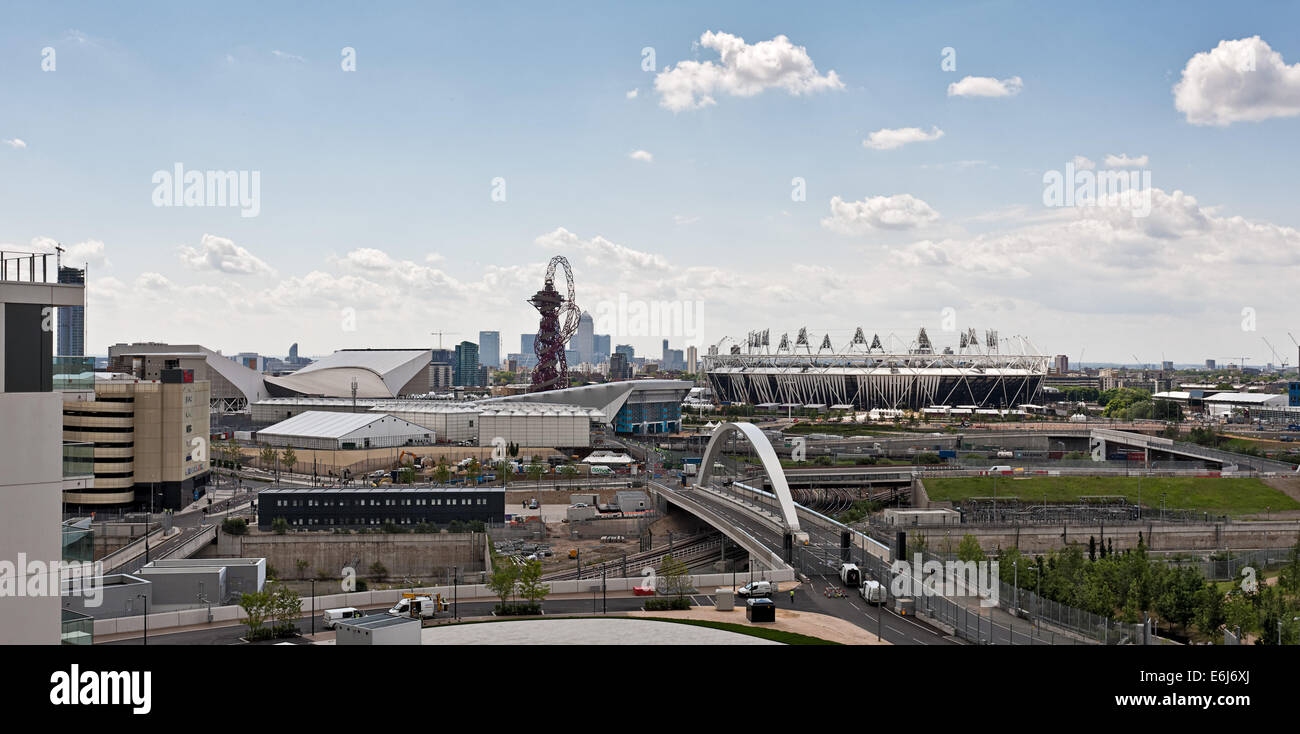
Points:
323	424
1246	397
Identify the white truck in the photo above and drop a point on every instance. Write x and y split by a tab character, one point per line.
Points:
872	592
417	606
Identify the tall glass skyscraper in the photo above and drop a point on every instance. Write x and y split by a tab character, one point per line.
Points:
489	349
466	365
72	319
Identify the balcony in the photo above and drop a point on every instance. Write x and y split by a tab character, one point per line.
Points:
74	373
28	267
78	628
78	460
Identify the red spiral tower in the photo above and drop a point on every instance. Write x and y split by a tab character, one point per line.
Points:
559	323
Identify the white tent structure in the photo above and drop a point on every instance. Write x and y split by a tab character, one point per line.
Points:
330	431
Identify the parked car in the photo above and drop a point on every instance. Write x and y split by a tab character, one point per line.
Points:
755	590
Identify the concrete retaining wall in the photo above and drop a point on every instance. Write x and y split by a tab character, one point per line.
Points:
403	554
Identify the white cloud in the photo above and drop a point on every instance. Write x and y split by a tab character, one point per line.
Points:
632	94
745	70
888	139
223	255
681	220
1123	161
1238	81
291	57
641	155
154	282
1082	163
900	211
986	86
16	143
562	240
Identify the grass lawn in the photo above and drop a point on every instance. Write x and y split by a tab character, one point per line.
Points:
1235	496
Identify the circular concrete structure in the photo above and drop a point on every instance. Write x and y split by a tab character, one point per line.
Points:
625	631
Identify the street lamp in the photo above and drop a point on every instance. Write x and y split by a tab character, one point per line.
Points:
146	616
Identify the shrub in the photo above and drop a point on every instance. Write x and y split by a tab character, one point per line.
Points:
517	610
280	525
234	526
674	603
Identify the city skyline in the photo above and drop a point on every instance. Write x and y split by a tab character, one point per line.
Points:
820	192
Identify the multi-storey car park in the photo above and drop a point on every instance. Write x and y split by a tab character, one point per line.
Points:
863	374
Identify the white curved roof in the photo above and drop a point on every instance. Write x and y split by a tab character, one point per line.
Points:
380	373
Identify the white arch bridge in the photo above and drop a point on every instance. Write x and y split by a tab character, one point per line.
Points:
769	537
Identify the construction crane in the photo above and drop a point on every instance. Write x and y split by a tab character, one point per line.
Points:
1275	354
1297	347
440	333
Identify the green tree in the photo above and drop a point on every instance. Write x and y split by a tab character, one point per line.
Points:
970	549
531	586
301	566
473	470
257	607
535	472
1179	594
234	526
1092	548
286	607
1289	577
378	571
288	457
268	455
280	525
505	575
442	471
673	578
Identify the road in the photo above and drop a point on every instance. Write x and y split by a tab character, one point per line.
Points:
230	635
892	627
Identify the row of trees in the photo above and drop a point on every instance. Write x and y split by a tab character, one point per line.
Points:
1129	585
510	581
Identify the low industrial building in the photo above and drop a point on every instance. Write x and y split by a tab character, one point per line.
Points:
332	431
323	508
1227	403
243	575
632	501
909	518
183	588
378	629
107	597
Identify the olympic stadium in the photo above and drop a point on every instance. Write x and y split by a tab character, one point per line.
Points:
878	374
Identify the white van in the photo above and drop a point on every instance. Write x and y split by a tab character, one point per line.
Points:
424	607
872	592
334	616
1000	468
755	589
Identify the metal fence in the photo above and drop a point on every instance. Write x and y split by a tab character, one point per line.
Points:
1020	603
1227	565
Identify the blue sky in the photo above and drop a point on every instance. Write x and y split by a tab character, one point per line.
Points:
375	184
